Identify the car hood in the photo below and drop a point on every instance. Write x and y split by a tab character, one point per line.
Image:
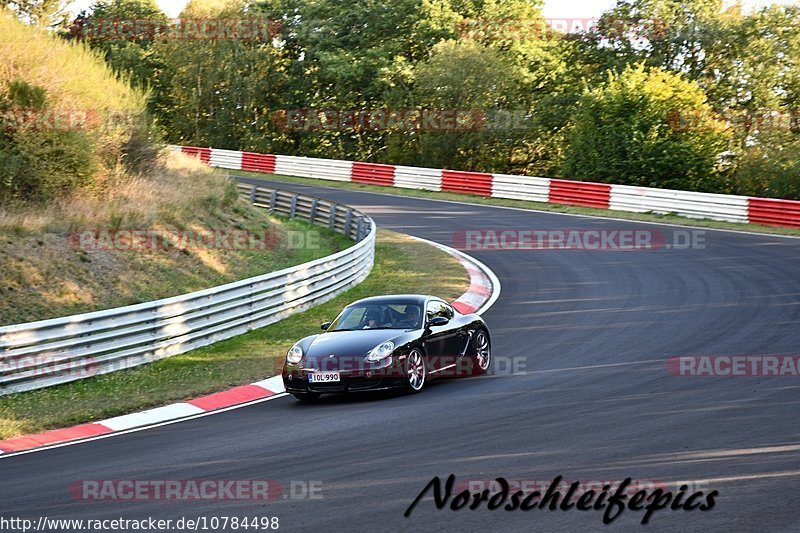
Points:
349	343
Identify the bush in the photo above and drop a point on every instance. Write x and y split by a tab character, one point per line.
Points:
59	117
41	165
647	127
769	168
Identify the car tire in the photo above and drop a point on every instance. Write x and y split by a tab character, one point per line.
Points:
416	372
306	397
482	358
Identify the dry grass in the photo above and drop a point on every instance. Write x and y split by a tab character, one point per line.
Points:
177	181
75	77
103	126
43	274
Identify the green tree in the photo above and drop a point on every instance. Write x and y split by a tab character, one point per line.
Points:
761	72
225	90
125	32
543	61
671	34
647	127
49	13
769	168
473	78
116	28
356	57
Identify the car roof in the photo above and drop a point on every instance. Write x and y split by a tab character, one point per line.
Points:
395	299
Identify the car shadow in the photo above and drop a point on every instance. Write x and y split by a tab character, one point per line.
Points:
343	398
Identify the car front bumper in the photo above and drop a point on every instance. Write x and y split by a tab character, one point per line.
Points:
381	376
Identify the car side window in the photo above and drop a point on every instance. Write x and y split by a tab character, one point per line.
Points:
449	310
436	308
430	311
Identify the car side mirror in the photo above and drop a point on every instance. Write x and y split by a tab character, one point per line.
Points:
438	321
325	326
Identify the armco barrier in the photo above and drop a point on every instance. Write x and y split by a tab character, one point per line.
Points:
520	187
774	212
686	204
427	179
484	289
326	169
258	162
50	352
373	174
581	193
467	182
203	153
225	159
722	207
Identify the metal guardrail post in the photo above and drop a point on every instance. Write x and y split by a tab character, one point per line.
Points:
332	218
252	194
293	209
360	229
348	215
273	199
313	216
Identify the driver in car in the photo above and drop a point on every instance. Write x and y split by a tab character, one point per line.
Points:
373	319
410	317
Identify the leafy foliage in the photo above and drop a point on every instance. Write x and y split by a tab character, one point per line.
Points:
647	127
570	96
58	103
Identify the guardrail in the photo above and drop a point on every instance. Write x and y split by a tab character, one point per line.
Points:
725	207
49	352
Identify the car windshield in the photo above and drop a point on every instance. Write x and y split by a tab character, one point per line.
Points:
378	316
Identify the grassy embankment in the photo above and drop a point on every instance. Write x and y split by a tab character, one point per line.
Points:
45	272
78	155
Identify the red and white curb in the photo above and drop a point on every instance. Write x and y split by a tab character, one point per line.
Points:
484	287
237	396
482	293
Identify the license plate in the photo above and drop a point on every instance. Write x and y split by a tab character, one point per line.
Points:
323	377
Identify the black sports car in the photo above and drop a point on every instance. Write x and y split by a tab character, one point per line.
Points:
386	342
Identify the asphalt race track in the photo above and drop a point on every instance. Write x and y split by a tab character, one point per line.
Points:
589	333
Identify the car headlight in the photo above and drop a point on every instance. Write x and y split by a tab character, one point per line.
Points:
381	351
294	355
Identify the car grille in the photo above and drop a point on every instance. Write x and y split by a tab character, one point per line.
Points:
351	384
363	383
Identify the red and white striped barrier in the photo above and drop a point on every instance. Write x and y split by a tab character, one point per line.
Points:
724	207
